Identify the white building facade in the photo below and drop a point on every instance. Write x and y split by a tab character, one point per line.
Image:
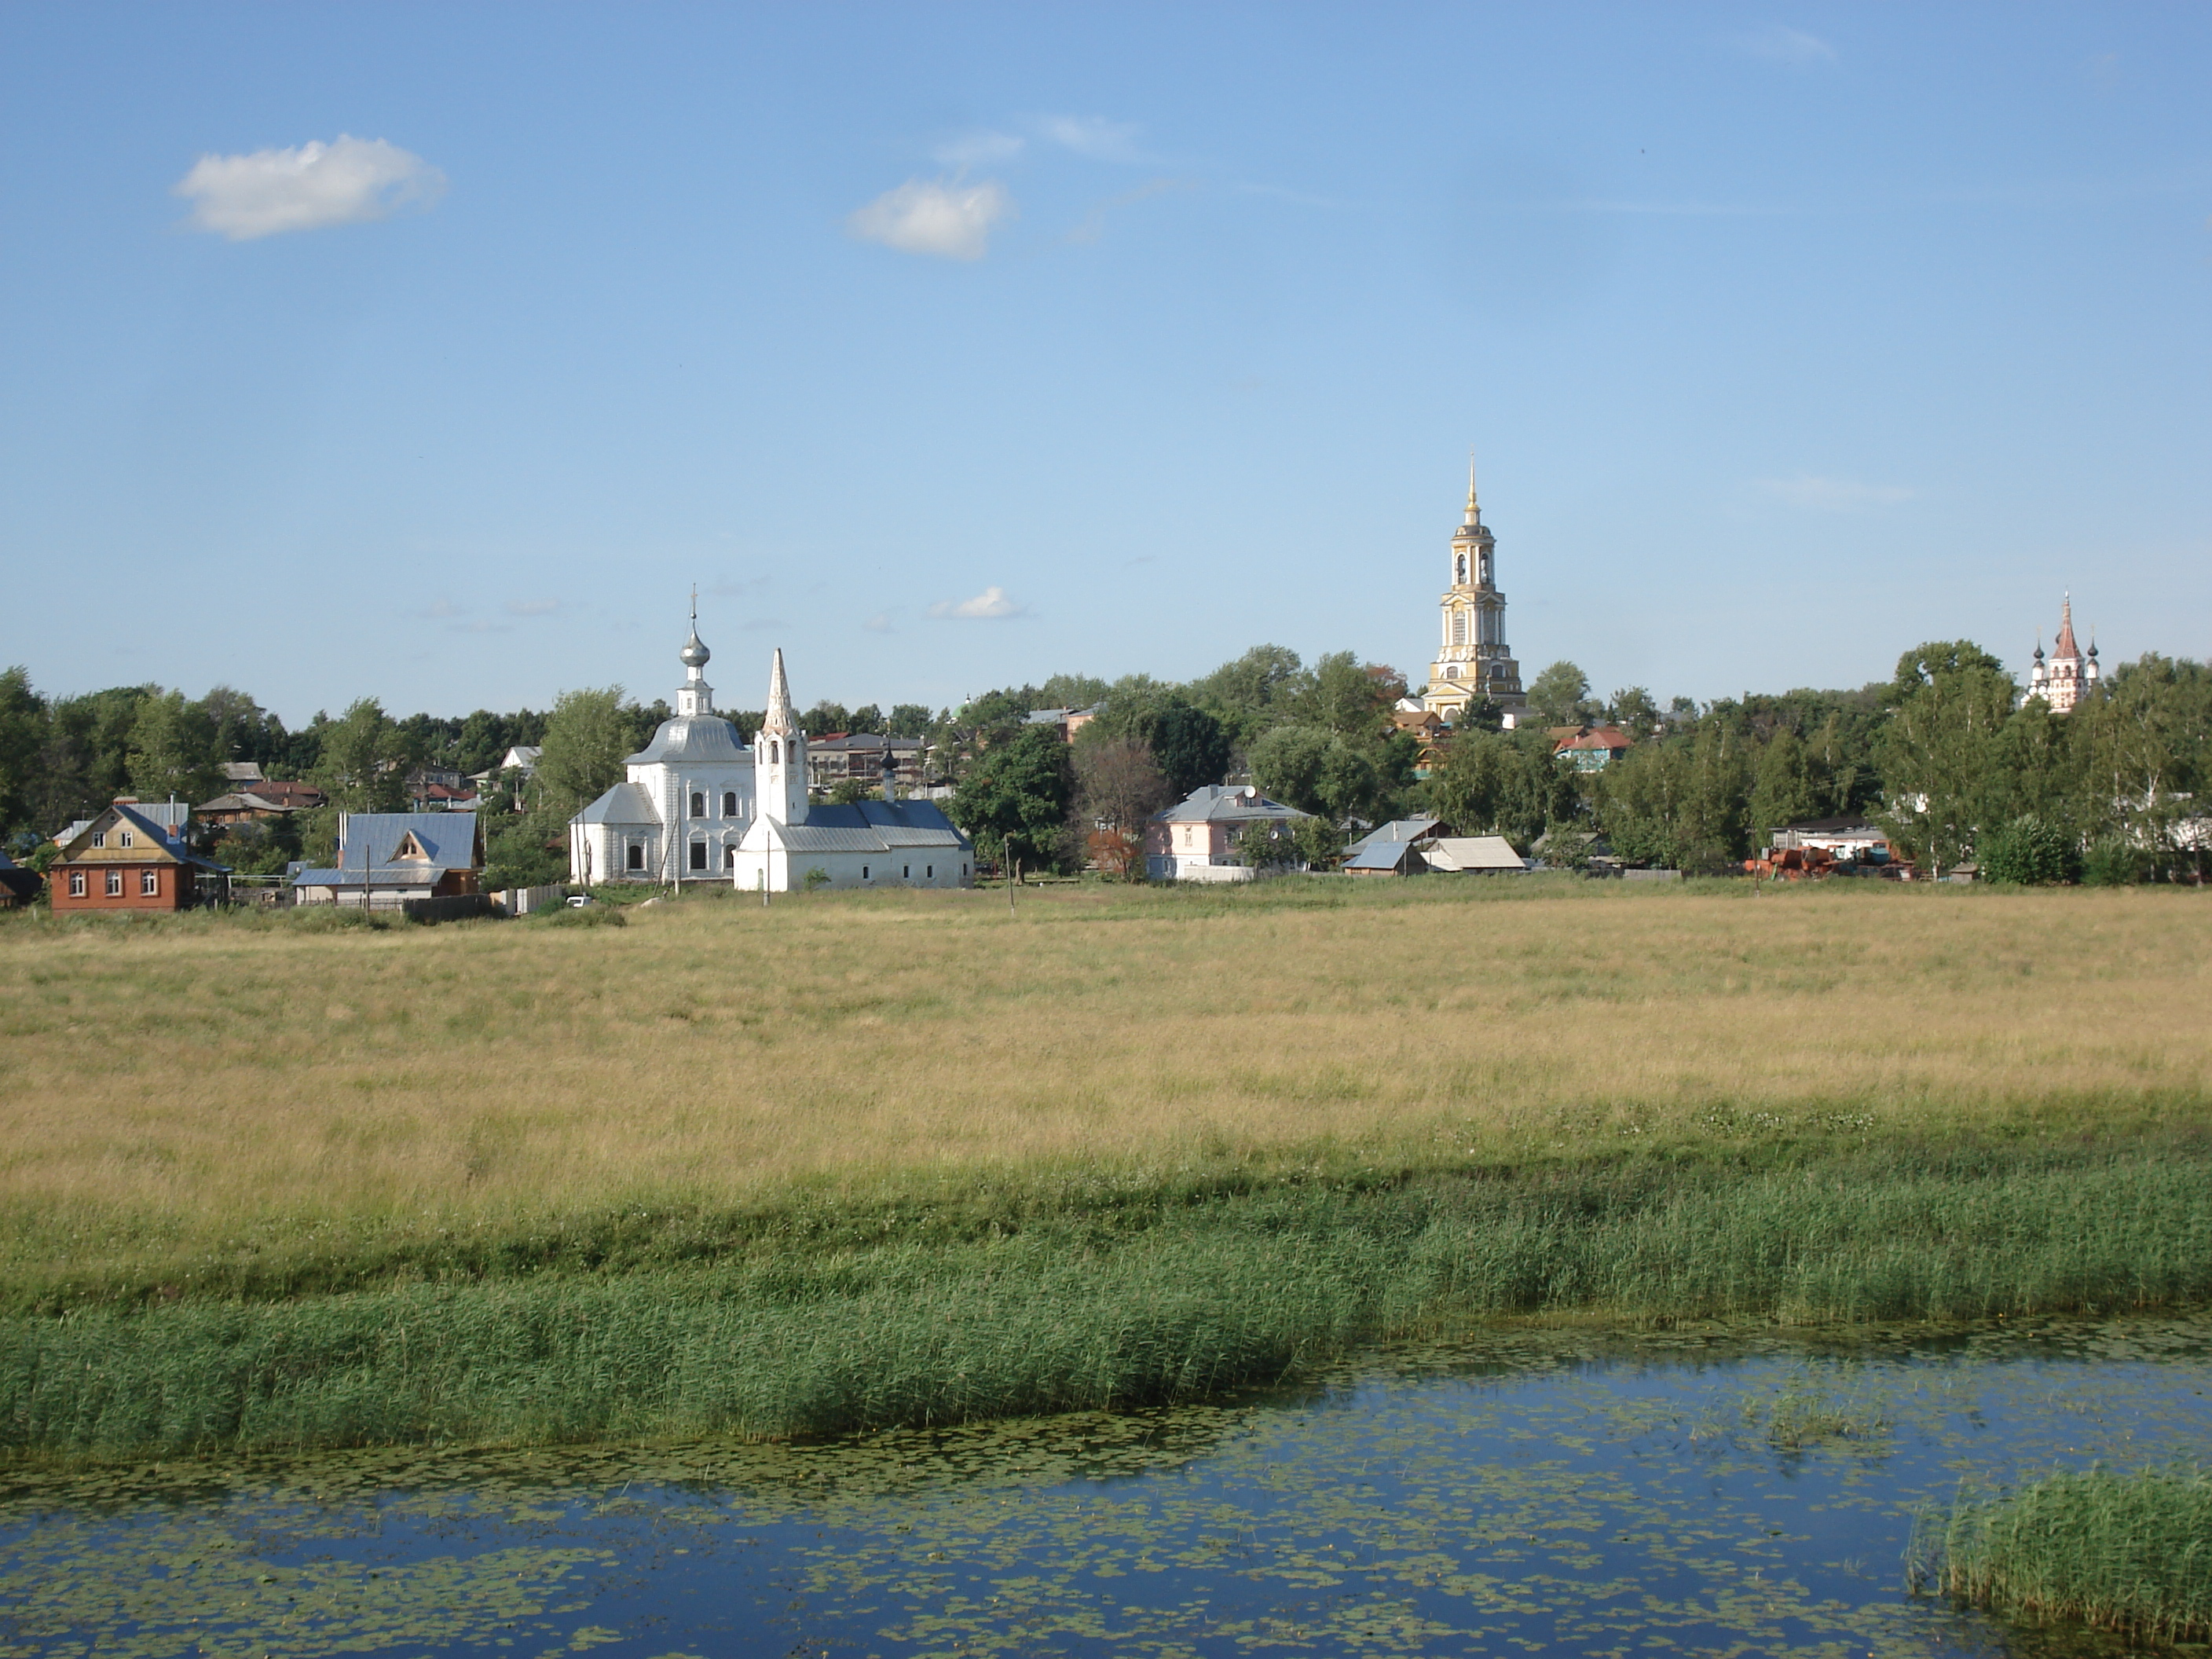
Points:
686	802
795	844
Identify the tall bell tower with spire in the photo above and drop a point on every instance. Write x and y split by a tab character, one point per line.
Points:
1473	659
780	755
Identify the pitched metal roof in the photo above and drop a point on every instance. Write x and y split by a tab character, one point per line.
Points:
450	838
624	804
1385	855
405	875
1216	802
693	740
872	826
1398	830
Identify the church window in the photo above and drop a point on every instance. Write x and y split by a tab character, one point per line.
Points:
698	855
1462	568
698	805
864	872
729	803
963	870
775	752
637	855
729	858
1459	627
929	872
906	872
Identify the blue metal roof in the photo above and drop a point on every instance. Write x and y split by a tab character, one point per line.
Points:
450	838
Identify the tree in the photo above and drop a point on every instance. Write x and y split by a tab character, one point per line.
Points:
1505	783
1560	696
588	734
23	735
1680	802
1259	690
1119	786
174	750
908	720
1784	790
1938	751
1313	769
1319	842
1633	711
363	760
1350	700
825	718
1014	799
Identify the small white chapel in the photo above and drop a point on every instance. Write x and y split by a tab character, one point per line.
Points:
697	805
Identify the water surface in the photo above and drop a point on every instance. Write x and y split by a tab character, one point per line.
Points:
1516	1493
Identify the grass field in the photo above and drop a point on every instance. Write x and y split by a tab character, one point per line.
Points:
175	1089
866	1158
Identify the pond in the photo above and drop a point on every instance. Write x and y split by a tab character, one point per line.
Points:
1522	1492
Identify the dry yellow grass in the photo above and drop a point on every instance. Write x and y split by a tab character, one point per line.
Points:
190	1078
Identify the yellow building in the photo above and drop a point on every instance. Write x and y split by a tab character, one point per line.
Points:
1473	659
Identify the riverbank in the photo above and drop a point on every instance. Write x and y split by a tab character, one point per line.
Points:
1177	1299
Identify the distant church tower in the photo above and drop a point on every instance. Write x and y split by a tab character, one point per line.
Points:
694	697
1474	660
780	755
2069	674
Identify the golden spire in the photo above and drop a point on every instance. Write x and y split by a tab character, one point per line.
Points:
1473	512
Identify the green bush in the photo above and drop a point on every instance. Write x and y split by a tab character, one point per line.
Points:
2114	863
2031	854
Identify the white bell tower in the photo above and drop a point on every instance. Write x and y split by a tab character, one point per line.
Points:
695	696
780	755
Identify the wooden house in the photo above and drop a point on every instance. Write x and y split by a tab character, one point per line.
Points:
123	860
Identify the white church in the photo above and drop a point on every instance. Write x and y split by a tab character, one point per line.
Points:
698	806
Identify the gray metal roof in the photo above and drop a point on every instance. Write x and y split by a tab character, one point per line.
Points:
1382	855
624	804
873	826
693	740
1398	830
450	838
404	875
1216	803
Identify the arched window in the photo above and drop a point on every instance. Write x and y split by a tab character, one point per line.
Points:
729	803
1459	627
637	855
698	855
775	752
729	858
698	805
1462	568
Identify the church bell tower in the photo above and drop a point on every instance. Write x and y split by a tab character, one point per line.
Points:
780	755
1473	659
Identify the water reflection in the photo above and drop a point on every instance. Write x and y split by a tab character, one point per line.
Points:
1513	1493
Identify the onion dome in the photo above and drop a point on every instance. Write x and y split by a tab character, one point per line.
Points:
694	653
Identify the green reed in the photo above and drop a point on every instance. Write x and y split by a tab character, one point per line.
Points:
1061	1306
2126	1552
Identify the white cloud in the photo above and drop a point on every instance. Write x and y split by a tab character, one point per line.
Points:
991	602
272	191
1090	135
1786	45
1833	495
947	218
532	607
880	623
975	150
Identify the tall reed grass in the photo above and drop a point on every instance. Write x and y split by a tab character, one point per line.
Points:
2126	1552
1061	1314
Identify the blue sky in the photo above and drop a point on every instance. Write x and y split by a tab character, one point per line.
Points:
946	346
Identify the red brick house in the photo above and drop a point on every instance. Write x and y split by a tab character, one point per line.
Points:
123	860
